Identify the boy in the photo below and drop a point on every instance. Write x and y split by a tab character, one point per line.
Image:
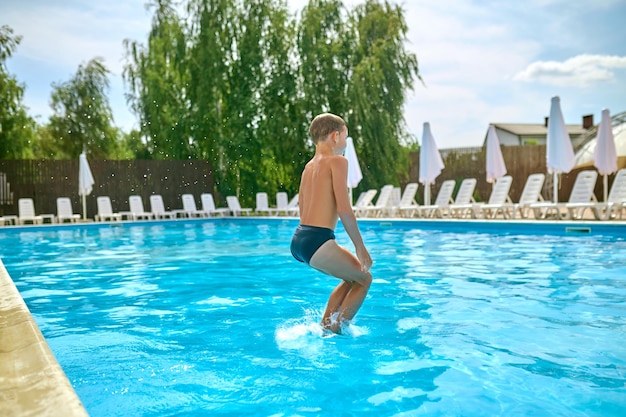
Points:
323	200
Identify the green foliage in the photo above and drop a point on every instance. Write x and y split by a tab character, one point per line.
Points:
17	129
82	117
159	82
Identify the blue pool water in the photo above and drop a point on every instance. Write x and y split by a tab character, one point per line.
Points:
216	318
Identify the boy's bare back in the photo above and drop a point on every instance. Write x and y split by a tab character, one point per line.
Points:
319	202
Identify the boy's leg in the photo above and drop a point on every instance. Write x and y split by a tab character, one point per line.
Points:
337	261
335	300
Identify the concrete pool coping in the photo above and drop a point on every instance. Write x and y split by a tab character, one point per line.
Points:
32	383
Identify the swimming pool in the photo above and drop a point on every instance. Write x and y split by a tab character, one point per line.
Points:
215	318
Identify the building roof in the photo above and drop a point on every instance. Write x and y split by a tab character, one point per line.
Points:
535	129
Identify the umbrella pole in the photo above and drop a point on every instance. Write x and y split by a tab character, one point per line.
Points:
606	188
84	207
555	187
427	194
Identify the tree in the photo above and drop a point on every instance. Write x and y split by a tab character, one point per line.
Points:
82	118
17	129
211	38
159	83
325	64
383	73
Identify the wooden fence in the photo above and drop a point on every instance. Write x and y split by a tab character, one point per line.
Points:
520	161
45	180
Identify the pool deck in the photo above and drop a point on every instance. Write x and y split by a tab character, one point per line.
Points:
32	382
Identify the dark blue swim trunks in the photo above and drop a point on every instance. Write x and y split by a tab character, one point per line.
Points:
307	240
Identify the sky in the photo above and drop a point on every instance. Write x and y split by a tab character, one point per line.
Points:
481	61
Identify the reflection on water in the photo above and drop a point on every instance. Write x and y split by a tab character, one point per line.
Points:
196	317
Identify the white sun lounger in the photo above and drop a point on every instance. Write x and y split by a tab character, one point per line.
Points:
158	208
381	205
497	200
136	212
616	200
463	202
189	207
65	212
105	210
364	201
407	207
442	202
208	206
235	207
582	192
530	194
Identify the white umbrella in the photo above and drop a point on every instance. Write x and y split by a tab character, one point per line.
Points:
605	156
560	154
495	162
431	163
85	181
354	170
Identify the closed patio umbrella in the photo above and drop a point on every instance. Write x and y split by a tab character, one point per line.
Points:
605	156
559	150
354	170
495	162
85	181
431	163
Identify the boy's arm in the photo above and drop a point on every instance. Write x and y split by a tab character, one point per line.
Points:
339	172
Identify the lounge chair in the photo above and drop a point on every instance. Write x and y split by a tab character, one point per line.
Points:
235	207
65	212
105	210
136	212
497	200
10	219
189	207
381	205
293	208
364	201
530	194
282	203
442	202
463	202
262	204
407	207
208	206
26	213
616	202
158	208
582	192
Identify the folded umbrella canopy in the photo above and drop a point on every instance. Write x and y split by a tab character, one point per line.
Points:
431	163
85	181
495	162
354	170
559	150
605	156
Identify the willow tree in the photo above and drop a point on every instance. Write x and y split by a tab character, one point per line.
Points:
82	117
17	129
323	50
383	73
158	79
282	128
211	37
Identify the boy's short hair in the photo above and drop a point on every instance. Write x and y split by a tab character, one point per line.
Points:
324	124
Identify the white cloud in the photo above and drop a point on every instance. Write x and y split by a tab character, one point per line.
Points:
579	70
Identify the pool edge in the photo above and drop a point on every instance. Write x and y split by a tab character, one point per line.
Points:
32	383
